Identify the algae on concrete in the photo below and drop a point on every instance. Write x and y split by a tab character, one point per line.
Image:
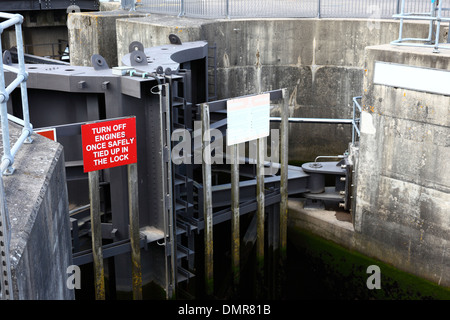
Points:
322	269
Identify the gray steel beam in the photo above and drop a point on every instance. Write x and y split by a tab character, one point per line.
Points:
298	183
244	208
109	250
102	94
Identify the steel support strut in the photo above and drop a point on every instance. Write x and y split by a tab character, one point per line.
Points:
134	231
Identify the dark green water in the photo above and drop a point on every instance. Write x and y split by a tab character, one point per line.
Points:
320	269
316	269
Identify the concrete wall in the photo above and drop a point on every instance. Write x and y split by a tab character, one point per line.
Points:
320	61
94	33
41	248
403	176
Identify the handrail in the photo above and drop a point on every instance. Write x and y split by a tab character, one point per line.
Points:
9	152
314	120
356	121
7	160
436	6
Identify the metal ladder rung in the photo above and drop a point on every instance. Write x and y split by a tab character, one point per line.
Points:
183	274
183	252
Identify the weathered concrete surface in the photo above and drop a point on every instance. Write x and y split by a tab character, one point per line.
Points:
109	6
94	33
320	61
41	248
154	30
329	225
403	171
403	175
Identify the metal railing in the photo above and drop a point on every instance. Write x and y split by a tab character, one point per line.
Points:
22	76
9	152
434	14
375	9
356	120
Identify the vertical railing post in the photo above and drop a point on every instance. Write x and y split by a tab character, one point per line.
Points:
402	12
182	9
4	119
318	8
23	84
133	206
235	235
438	25
7	156
96	230
431	24
207	199
397	8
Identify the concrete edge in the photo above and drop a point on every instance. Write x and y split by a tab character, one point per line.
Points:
17	251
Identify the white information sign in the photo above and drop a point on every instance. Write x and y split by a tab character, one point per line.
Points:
413	78
248	118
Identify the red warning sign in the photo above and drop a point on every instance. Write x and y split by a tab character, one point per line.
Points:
108	144
48	133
